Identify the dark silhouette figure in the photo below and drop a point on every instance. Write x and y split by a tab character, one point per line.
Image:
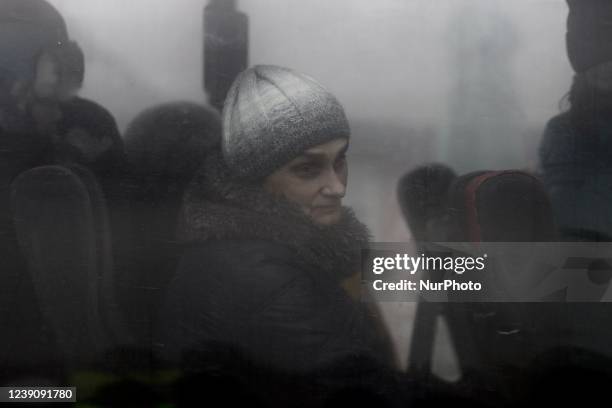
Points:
576	147
165	146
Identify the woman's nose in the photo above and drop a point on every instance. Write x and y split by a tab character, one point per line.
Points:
334	185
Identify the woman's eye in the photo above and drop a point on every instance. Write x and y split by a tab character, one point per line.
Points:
340	162
306	170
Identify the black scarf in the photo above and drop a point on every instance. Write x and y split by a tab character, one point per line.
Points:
219	207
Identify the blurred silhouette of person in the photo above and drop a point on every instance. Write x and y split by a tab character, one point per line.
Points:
576	149
165	146
42	121
27	28
576	164
42	71
82	131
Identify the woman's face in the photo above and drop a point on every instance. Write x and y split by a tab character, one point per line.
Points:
316	181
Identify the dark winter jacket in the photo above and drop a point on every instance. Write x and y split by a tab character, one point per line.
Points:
577	171
261	278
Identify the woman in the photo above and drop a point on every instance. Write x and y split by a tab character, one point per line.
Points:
271	241
576	147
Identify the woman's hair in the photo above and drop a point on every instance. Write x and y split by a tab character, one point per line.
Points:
587	103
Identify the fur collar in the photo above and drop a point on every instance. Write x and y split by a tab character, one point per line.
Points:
218	207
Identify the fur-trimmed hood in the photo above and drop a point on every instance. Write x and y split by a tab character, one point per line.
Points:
218	207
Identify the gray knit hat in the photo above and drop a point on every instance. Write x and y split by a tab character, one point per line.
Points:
272	115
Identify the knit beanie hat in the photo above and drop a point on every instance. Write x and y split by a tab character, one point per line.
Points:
272	115
26	28
589	33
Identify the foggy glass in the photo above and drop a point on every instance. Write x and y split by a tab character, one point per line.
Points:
470	83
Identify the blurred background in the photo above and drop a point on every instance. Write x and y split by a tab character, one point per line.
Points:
470	83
